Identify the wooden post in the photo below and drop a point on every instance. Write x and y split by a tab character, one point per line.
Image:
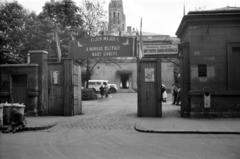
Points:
67	87
159	88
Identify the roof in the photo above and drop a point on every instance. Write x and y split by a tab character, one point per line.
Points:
217	10
226	14
228	8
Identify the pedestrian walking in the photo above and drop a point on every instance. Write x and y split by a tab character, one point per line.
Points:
164	93
174	94
178	95
127	84
102	91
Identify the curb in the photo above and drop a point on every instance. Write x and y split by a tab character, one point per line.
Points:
136	127
40	127
35	128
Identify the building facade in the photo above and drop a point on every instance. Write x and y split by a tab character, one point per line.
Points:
210	76
124	73
126	69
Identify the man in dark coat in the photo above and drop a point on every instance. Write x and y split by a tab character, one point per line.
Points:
175	93
102	91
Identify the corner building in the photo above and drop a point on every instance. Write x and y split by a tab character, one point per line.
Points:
210	63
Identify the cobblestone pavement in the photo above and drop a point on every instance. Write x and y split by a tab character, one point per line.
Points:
106	131
117	113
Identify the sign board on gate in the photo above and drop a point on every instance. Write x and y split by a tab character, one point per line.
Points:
160	50
102	46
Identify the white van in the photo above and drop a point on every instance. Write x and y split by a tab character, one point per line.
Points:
96	84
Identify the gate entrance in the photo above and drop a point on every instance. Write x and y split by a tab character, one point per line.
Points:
149	67
19	86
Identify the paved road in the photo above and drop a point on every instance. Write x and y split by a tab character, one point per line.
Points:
106	131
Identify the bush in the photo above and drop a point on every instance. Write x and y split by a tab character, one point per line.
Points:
89	94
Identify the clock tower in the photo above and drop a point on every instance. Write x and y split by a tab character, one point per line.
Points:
116	20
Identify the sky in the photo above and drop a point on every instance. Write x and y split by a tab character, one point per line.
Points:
158	16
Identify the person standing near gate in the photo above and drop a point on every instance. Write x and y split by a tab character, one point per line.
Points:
101	91
106	89
175	91
178	95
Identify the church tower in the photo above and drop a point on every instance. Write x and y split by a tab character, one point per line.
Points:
116	20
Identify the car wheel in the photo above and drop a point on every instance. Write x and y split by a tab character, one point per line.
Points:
112	90
94	90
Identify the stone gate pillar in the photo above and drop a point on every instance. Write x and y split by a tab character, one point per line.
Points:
40	101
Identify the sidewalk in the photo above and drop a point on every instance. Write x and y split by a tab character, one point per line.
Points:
171	122
41	122
186	125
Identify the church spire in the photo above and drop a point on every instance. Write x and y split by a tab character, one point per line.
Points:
117	20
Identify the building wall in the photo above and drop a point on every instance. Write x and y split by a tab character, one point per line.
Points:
168	75
211	49
32	89
111	73
208	45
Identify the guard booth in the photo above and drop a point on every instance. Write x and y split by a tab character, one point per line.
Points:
149	88
150	80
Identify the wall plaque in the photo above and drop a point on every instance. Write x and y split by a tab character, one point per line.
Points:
55	77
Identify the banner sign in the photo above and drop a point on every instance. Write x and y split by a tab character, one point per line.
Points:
160	49
102	46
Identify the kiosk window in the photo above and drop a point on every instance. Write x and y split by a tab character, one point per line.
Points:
202	70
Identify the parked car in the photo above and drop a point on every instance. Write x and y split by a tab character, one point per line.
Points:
112	88
96	84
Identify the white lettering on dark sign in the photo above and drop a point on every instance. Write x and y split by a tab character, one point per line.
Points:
160	49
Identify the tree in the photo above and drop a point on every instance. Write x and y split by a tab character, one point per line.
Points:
94	23
12	23
94	16
67	16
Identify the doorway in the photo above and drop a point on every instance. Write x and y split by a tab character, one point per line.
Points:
124	81
19	89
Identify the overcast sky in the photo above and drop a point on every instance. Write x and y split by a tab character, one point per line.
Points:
158	16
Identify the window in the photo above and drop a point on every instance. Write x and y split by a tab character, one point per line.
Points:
202	70
233	66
